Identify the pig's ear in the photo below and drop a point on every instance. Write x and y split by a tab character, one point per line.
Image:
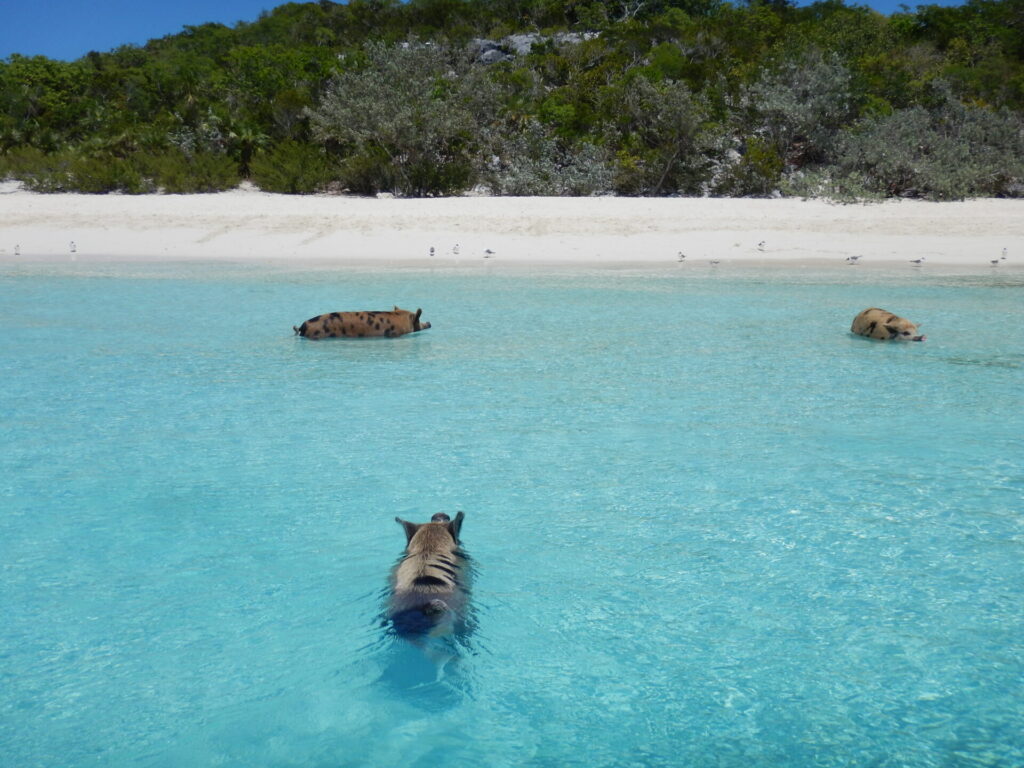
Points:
456	525
893	330
418	313
410	528
396	308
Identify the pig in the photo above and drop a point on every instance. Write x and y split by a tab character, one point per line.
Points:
875	323
430	584
397	322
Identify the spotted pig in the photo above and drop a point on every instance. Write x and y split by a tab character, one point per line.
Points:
878	323
429	585
397	322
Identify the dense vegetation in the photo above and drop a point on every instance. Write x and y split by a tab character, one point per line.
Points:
634	97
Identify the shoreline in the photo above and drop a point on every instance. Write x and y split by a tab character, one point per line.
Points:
246	225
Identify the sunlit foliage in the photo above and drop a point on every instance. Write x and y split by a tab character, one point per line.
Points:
579	97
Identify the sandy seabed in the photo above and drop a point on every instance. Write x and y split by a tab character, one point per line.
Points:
248	225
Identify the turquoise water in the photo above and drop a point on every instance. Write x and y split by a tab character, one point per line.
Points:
709	526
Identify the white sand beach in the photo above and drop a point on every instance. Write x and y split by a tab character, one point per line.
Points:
249	225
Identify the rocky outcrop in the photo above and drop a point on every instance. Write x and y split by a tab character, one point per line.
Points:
493	51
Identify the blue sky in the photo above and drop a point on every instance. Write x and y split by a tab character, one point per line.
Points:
68	29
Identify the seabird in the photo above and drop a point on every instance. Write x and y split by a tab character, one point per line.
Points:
713	262
72	246
994	262
682	256
917	261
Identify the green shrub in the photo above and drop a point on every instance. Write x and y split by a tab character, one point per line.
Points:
407	118
799	107
39	171
100	175
828	184
371	170
368	171
533	161
292	168
661	138
13	161
176	172
948	153
757	171
432	174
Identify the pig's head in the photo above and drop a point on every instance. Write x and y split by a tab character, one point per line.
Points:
901	329
413	319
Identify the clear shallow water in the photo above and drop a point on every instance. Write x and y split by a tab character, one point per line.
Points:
710	527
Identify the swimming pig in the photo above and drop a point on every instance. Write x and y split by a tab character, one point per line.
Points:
397	322
429	584
878	323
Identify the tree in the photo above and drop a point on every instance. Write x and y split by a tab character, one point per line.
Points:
798	108
406	118
951	151
660	128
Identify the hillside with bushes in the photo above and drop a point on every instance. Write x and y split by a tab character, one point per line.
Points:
539	97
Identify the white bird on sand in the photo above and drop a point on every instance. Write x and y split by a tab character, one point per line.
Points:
72	246
431	251
1004	254
455	249
713	262
853	259
994	262
761	245
17	250
917	261
488	253
682	257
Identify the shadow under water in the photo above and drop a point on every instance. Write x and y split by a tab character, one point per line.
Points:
1005	361
428	670
424	677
